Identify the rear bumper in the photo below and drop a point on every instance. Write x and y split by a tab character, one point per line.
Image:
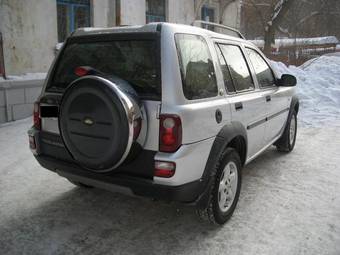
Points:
138	186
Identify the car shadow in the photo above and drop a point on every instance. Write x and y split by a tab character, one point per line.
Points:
93	221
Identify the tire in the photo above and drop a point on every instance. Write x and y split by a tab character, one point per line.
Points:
218	212
96	120
79	184
287	141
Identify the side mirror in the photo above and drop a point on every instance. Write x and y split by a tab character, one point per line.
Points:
287	80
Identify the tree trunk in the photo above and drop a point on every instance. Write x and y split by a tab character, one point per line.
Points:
280	10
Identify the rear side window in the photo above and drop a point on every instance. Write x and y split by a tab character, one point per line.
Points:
196	65
137	62
264	74
238	67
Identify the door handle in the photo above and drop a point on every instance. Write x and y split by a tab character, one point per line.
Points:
238	106
268	98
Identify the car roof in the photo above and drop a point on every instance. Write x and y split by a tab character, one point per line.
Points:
155	27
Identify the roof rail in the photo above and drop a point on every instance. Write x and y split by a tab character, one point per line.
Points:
208	25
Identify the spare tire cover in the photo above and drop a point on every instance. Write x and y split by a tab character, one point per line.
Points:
94	123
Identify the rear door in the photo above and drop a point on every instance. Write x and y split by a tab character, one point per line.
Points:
247	104
276	98
133	57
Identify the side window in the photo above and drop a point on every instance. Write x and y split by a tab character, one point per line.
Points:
196	65
228	82
238	67
263	72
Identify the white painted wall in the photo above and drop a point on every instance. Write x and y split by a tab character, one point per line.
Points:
180	11
29	33
132	12
231	15
100	13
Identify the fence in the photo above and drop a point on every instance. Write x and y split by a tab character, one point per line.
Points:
299	50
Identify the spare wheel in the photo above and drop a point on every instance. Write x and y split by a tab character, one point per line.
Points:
96	122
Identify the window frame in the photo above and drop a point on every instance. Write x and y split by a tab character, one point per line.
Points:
265	60
250	70
71	16
179	59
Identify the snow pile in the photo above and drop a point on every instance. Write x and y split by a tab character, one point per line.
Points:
318	89
26	76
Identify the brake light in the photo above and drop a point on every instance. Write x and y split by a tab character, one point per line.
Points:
170	133
164	169
82	70
36	116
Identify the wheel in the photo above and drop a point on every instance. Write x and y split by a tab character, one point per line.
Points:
226	189
287	141
79	184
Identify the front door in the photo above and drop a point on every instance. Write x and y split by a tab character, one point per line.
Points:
276	98
247	104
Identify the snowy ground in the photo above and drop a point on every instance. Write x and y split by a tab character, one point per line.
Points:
289	203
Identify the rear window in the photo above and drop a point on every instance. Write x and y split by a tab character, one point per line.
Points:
136	61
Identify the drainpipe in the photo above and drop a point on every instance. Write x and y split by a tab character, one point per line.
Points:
118	16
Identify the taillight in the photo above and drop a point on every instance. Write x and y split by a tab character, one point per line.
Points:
137	126
170	133
36	116
164	169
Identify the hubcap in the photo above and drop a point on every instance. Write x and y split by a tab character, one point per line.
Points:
292	130
227	187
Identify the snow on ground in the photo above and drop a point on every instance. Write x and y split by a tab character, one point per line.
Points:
318	89
289	204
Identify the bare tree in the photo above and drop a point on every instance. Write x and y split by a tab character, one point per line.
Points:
279	11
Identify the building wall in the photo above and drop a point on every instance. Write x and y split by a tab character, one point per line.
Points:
231	15
132	12
103	13
181	11
29	33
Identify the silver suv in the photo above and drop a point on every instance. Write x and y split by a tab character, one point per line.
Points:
167	111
